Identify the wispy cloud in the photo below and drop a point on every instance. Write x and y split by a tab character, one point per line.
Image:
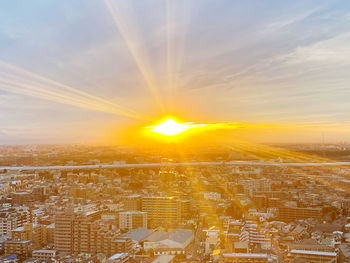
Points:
330	51
283	22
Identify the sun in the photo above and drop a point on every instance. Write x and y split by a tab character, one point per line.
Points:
170	127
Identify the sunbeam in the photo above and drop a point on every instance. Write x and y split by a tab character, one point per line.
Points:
20	81
127	29
176	34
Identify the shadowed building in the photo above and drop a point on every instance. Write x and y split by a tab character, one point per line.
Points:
132	203
86	233
132	220
162	211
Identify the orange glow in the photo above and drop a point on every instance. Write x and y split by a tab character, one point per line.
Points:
171	127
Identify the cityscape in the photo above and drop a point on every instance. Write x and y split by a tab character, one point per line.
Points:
174	131
216	211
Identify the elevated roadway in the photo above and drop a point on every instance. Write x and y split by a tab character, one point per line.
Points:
150	165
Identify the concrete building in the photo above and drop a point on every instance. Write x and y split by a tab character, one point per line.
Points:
39	193
18	247
212	240
43	254
245	257
122	244
63	232
234	228
295	213
108	241
313	256
162	211
252	186
132	220
132	203
86	233
12	218
21	198
249	233
36	233
72	231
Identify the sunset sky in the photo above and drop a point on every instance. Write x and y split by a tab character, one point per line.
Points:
79	71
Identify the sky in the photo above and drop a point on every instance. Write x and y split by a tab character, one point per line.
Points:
79	71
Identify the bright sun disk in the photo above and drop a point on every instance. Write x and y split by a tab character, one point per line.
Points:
170	127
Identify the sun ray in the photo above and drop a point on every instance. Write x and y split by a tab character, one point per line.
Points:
17	80
170	73
255	150
128	33
297	170
176	35
51	83
56	97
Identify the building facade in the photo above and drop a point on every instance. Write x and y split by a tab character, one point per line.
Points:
162	211
132	220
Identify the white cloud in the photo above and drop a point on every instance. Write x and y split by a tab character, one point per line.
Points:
330	51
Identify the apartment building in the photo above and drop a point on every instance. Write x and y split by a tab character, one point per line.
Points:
132	220
312	256
162	210
85	233
295	213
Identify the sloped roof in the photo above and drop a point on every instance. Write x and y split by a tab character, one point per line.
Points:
180	235
138	234
163	259
157	236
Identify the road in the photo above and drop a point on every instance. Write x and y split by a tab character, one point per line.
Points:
150	165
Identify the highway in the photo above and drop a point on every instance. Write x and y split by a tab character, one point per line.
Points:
150	165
